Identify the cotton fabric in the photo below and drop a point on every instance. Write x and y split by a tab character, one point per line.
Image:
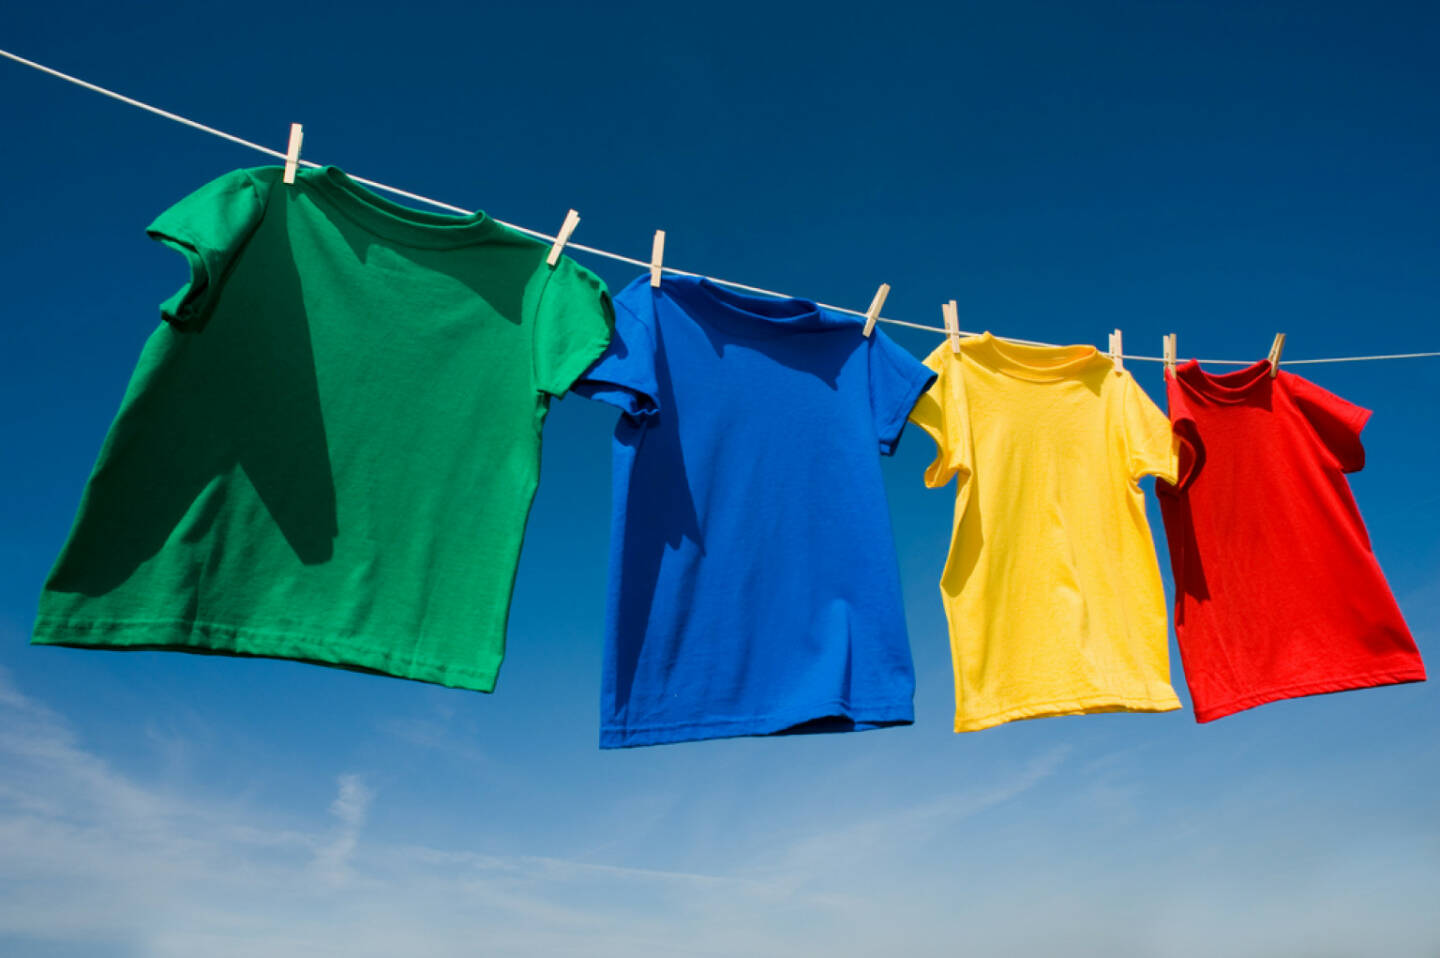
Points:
1051	589
753	582
1278	591
328	449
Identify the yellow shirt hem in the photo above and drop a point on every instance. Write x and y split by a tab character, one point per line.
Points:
1089	706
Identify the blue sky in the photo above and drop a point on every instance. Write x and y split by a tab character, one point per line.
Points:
1221	170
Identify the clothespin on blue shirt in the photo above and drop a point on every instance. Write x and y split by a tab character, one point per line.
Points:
292	152
572	220
872	315
1117	350
1169	354
951	311
657	258
1275	349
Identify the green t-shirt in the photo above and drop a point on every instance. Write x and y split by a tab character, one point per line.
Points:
329	449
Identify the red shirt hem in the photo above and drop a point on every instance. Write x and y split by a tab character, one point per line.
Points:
1414	673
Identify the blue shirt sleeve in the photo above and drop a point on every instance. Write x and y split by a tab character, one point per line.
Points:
624	375
897	380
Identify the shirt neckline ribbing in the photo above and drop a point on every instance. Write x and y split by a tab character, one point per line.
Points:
394	221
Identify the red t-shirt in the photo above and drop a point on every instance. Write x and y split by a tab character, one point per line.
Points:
1277	592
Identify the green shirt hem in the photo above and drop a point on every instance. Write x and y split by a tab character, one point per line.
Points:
212	638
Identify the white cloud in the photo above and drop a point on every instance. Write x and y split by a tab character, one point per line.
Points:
97	861
434	735
332	860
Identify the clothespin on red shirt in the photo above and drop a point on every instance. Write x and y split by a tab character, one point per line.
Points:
292	152
951	311
572	220
872	315
1275	349
657	257
1169	353
1116	351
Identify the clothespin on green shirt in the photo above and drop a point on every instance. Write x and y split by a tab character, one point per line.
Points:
572	220
657	258
292	152
1275	348
872	315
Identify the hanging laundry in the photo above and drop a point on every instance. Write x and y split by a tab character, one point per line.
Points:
1052	588
328	450
754	588
1277	591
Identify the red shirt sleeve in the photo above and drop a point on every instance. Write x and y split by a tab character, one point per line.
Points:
1187	433
1336	423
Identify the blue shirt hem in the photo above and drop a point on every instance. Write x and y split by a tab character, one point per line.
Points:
827	717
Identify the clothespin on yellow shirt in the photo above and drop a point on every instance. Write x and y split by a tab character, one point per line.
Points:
572	220
1116	351
1275	349
292	152
657	258
1169	354
872	315
951	311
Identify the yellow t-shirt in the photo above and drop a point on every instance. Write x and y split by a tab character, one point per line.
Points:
1052	589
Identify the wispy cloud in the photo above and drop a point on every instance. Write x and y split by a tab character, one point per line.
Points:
96	858
97	861
434	734
332	860
853	846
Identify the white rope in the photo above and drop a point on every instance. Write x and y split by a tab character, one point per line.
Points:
144	106
280	154
1356	359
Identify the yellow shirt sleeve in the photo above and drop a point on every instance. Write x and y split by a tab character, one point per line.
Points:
943	413
1151	444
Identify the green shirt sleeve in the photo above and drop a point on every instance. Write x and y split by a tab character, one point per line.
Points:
209	228
572	326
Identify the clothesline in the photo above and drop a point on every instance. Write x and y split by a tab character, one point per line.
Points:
606	254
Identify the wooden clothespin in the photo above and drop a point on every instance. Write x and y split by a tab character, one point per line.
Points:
657	257
1275	349
872	315
572	220
951	311
1169	354
1117	350
292	152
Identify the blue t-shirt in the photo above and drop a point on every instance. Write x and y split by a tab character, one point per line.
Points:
753	583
